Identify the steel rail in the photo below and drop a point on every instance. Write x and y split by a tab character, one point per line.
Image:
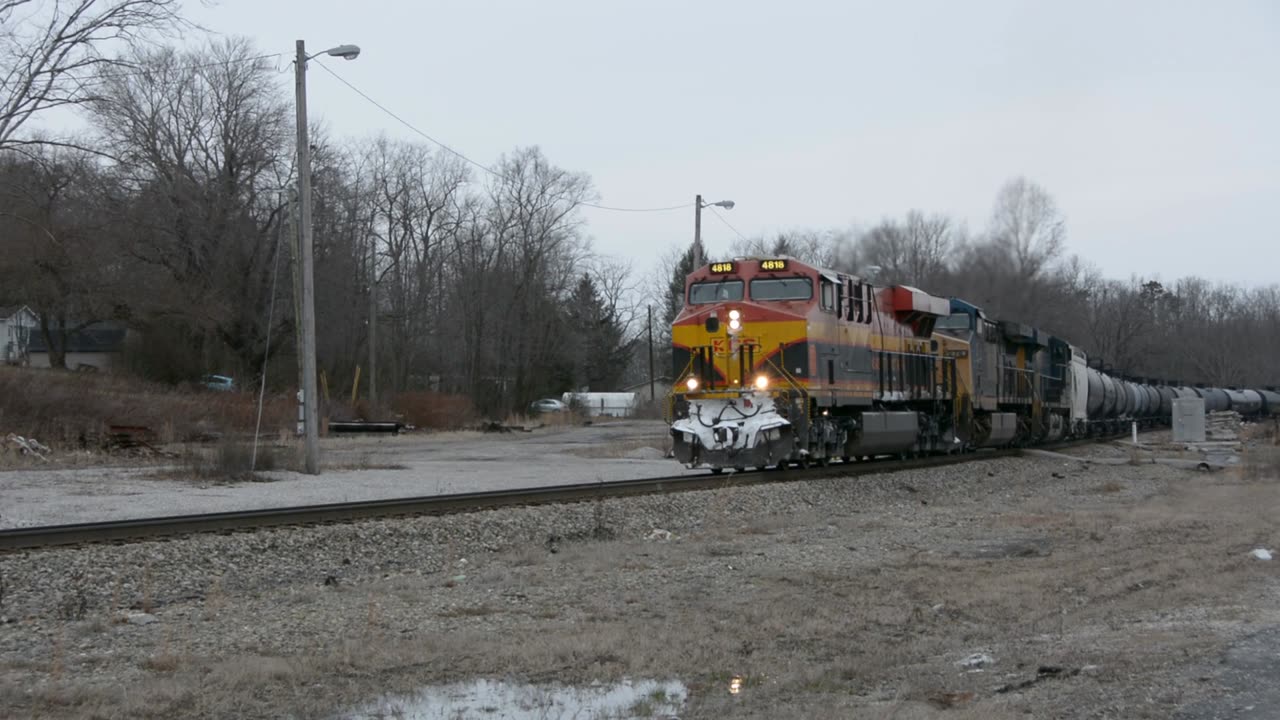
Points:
46	536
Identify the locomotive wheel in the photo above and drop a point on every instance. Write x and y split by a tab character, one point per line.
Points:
845	459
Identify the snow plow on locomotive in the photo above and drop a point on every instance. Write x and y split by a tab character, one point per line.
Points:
780	362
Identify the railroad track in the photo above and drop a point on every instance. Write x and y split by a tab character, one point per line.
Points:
117	531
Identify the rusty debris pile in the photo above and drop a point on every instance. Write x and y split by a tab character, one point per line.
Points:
133	441
126	440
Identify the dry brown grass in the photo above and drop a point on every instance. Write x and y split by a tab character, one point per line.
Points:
1261	462
434	411
543	420
75	410
364	461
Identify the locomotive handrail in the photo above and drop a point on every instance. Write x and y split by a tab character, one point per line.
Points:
791	380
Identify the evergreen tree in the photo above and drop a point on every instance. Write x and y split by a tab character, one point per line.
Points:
675	289
599	352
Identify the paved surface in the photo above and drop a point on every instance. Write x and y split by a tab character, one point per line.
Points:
1246	680
427	464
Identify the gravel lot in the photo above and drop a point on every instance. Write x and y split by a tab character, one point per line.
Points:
78	488
1069	590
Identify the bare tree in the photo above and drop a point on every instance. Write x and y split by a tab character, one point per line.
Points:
50	51
58	257
1027	224
915	251
203	138
815	247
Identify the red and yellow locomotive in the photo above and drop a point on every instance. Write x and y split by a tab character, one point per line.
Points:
778	361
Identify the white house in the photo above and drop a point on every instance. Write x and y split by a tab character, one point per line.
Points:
96	347
17	325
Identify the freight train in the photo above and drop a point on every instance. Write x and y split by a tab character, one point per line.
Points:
779	362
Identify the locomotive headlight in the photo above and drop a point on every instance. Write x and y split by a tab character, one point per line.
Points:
735	315
762	382
735	324
691	383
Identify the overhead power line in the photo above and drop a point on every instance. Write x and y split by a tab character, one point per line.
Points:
726	222
475	163
105	77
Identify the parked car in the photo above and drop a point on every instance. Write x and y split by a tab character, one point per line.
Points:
547	405
221	383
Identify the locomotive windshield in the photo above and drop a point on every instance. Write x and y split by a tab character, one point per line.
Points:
712	292
792	288
957	321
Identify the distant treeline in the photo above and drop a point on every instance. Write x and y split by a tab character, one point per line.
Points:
174	216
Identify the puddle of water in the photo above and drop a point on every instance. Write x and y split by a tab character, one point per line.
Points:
501	700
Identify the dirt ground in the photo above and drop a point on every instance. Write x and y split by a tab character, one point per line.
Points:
1000	589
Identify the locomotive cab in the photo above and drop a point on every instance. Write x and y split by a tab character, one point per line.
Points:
739	361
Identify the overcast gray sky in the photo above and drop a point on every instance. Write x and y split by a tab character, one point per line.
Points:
1153	124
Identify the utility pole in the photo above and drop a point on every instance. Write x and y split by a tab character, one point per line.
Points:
697	232
652	396
310	396
698	254
295	249
373	323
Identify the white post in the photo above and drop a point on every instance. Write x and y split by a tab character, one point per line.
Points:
1135	434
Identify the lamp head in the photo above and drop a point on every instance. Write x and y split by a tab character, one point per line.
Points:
346	52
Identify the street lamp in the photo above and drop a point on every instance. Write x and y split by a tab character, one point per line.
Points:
697	226
310	395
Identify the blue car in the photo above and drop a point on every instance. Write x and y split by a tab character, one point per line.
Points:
218	382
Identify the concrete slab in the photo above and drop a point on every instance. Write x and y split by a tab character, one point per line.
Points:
427	464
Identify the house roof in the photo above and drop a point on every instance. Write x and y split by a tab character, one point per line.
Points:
8	311
97	338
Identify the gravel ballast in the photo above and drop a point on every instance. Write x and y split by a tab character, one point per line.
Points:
826	598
